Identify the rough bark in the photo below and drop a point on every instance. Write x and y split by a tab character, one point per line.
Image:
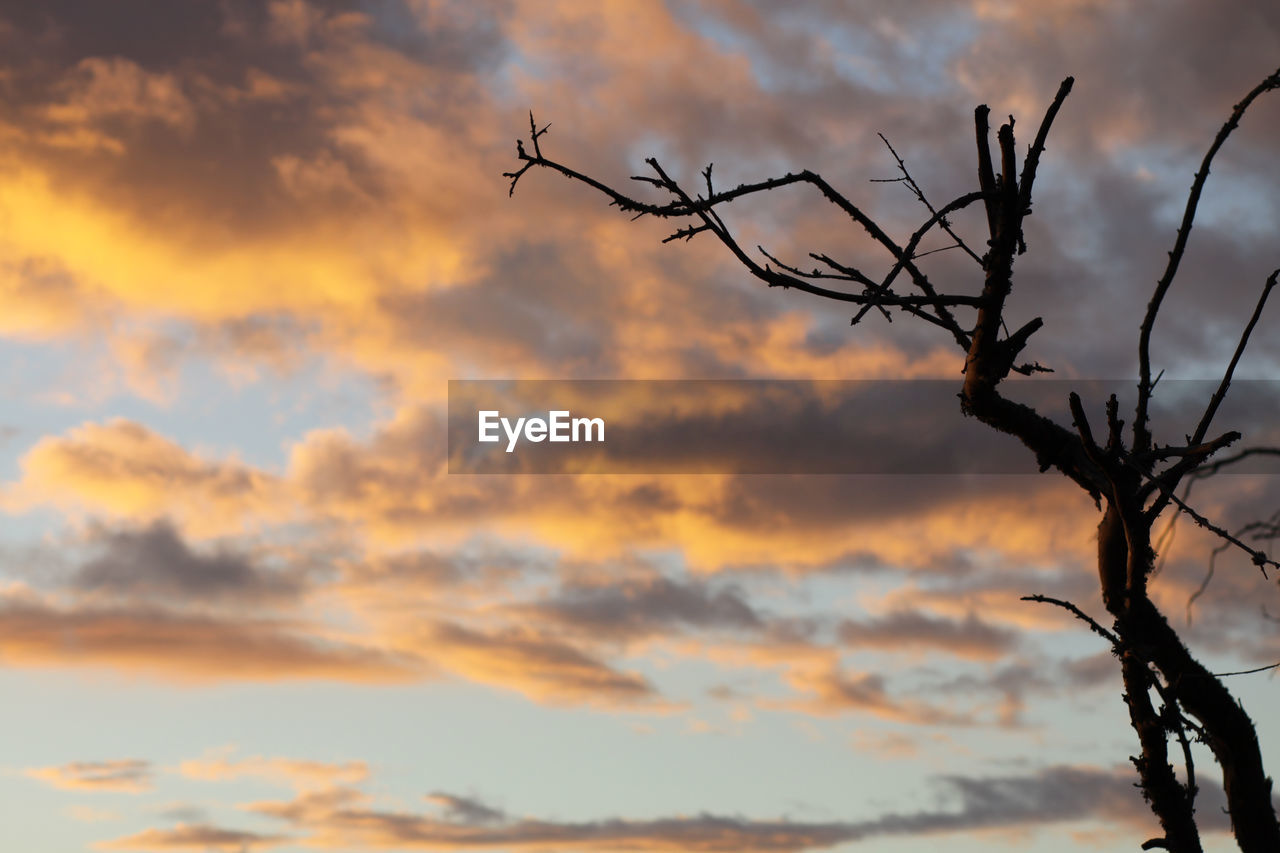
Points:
1148	642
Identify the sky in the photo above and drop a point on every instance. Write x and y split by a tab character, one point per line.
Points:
246	606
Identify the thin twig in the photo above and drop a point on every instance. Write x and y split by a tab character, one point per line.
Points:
1259	558
1208	576
1079	614
1246	671
911	184
1216	399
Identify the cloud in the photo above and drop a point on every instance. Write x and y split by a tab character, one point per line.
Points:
127	776
394	486
193	836
836	692
350	170
123	469
394	490
1050	795
916	631
104	88
427	573
155	564
302	775
186	647
542	668
465	809
646	607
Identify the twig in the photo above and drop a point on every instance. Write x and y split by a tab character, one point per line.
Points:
1259	558
1216	399
1211	468
911	184
1079	614
702	208
1246	671
1204	584
1030	165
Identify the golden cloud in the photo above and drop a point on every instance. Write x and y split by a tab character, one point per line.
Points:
127	776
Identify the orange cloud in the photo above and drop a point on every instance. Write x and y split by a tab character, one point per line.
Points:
100	88
127	776
395	489
540	667
837	692
300	774
186	648
193	836
123	469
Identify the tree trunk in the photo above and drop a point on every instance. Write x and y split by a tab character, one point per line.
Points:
1147	640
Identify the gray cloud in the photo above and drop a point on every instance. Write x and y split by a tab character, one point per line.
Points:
1051	795
155	564
466	809
643	607
970	637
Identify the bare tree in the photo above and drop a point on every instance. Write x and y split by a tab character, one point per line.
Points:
1171	696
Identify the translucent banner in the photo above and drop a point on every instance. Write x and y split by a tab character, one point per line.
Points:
801	426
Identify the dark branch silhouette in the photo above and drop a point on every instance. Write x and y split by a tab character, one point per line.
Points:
1132	486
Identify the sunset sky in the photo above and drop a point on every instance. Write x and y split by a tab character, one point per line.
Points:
245	245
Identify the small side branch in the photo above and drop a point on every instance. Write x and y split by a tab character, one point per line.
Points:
1208	578
929	305
1079	614
1260	558
1260	530
1032	162
1266	668
1210	468
1216	400
1189	459
911	184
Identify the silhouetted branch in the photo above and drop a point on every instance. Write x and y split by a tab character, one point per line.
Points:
1141	434
1206	469
930	305
1194	456
1216	400
1266	530
1211	468
1189	458
911	184
1256	669
1032	162
1079	614
1208	576
1259	558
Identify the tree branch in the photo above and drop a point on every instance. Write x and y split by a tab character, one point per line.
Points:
1081	615
1259	558
1141	433
919	194
1216	399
